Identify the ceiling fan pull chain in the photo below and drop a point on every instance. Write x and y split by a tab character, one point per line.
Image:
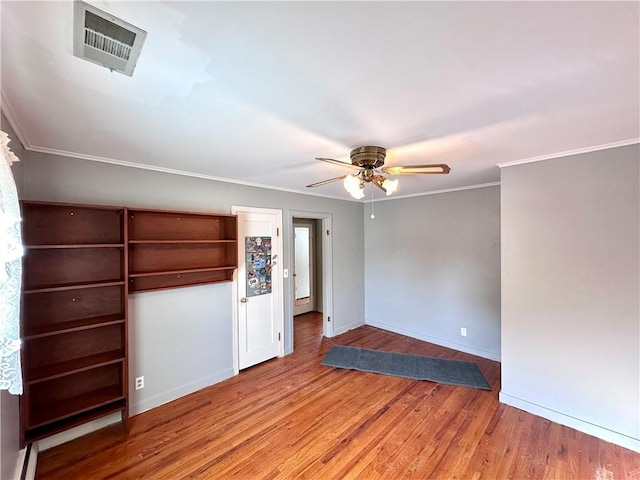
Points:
372	215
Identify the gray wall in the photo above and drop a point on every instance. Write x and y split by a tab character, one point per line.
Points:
9	435
570	291
181	340
433	266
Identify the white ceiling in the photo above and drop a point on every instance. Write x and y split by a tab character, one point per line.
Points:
254	91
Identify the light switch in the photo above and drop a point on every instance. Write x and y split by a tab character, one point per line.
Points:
285	272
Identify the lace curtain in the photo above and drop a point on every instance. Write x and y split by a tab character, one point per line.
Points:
10	273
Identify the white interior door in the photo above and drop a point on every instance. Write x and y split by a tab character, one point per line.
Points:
259	285
303	268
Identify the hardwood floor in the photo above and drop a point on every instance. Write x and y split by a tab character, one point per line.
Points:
293	418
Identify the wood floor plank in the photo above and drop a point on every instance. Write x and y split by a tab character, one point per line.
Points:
292	418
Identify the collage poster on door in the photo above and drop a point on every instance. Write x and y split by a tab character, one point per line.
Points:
258	260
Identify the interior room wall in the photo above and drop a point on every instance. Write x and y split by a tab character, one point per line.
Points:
570	291
433	266
181	339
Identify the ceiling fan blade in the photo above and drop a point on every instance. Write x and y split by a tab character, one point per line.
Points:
324	182
413	169
338	162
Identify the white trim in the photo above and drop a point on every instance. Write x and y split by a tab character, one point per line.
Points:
435	192
5	106
179	392
279	241
79	431
568	153
575	423
436	340
327	272
28	471
310	305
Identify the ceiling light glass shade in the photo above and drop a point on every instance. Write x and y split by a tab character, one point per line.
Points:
390	186
354	186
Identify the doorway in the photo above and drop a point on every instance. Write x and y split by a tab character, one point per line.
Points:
323	271
304	266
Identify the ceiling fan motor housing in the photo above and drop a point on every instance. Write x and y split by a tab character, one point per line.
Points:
368	157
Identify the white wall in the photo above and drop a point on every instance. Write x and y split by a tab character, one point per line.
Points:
181	339
570	291
433	266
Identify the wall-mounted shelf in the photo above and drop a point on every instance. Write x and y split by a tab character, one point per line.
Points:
169	249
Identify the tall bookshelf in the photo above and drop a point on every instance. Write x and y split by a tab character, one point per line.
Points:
74	320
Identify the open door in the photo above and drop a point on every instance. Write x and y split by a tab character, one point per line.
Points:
303	268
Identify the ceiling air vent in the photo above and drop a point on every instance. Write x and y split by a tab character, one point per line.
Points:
106	40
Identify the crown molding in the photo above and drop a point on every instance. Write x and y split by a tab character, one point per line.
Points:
5	107
568	153
436	192
8	111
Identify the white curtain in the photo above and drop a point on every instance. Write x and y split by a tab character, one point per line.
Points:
11	251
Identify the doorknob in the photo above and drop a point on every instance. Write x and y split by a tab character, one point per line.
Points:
243	300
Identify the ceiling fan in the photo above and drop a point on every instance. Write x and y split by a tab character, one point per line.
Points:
369	161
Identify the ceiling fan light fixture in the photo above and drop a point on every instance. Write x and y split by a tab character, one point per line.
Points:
354	185
390	186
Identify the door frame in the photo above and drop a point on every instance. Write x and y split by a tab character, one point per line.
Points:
310	225
327	274
275	278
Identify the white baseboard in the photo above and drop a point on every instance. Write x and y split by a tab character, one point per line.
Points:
569	421
26	463
346	328
180	391
438	341
79	431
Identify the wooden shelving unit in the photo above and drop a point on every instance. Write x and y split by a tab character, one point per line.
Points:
81	263
74	320
169	249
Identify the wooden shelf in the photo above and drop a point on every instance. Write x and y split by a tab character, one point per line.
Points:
180	272
59	267
45	330
179	249
163	281
182	241
53	427
71	286
88	245
70	367
74	316
76	405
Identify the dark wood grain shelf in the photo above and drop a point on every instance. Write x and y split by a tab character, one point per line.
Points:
180	249
60	425
70	367
74	316
76	405
71	286
182	241
179	272
81	264
49	329
88	245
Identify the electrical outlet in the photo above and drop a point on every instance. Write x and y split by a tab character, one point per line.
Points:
139	383
463	331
